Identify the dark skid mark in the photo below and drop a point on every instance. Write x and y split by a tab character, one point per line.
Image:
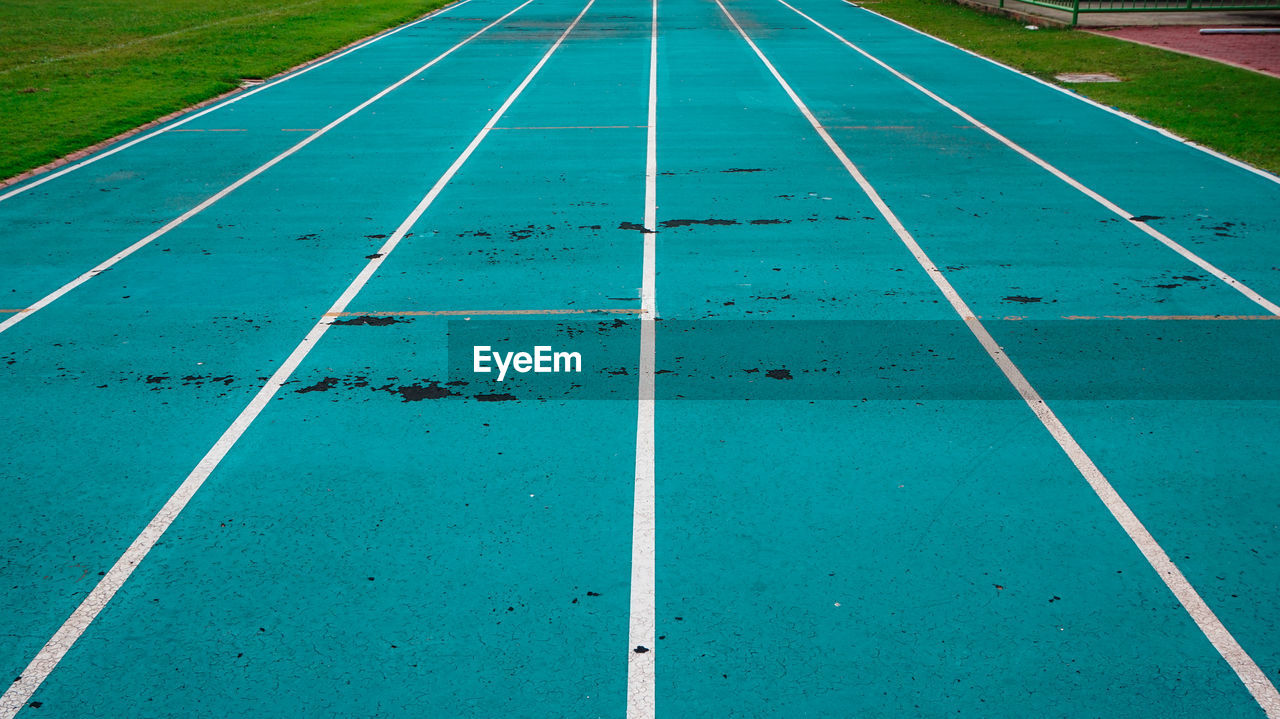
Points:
416	392
744	169
1169	286
771	222
1145	218
495	397
374	256
779	374
311	236
156	379
632	226
683	223
323	385
368	320
376	237
1021	298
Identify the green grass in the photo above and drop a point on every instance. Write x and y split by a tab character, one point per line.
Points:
1234	111
76	72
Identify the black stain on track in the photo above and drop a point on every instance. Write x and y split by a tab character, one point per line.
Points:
685	223
323	385
418	392
369	320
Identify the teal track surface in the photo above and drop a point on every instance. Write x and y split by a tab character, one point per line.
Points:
856	512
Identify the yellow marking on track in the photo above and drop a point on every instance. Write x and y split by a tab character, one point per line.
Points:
887	127
14	311
577	127
420	313
1172	317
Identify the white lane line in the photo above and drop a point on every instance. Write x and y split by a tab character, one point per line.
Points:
57	647
112	260
641	661
1244	666
1118	113
1129	217
21	188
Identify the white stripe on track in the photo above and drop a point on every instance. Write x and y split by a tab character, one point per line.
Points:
1244	666
1164	239
21	188
57	647
1118	113
117	257
641	666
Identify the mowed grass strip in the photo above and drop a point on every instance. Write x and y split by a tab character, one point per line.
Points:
1231	110
76	72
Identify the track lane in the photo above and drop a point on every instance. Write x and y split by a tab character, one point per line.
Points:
451	642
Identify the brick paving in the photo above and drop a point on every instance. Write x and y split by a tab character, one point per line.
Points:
1260	53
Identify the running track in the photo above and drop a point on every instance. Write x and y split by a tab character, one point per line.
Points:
234	486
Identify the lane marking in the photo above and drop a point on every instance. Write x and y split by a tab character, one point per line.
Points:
576	127
1196	318
1118	113
10	311
57	647
1129	217
21	188
419	313
111	261
889	127
642	629
1244	666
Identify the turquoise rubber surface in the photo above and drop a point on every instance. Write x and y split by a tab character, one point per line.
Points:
391	538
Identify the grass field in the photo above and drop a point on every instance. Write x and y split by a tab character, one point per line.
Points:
1223	107
75	72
